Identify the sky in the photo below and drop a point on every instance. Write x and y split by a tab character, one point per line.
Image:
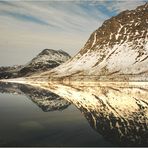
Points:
28	27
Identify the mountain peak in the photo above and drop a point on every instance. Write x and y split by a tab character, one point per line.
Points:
45	60
52	51
125	27
118	47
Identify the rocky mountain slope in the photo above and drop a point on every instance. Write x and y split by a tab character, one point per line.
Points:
118	47
45	60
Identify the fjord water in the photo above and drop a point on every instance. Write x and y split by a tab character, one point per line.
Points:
105	114
23	123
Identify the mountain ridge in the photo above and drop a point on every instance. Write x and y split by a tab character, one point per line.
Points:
118	47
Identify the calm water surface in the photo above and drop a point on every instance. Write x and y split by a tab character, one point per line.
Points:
32	116
23	123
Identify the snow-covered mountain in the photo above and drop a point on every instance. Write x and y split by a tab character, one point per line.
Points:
45	60
118	47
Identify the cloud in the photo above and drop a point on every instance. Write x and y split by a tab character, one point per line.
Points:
24	17
65	15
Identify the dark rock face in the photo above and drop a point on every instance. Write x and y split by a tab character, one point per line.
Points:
128	26
9	72
45	60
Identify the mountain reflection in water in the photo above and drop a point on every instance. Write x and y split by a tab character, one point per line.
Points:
46	100
116	110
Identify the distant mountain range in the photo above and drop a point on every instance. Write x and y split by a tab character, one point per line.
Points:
44	61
